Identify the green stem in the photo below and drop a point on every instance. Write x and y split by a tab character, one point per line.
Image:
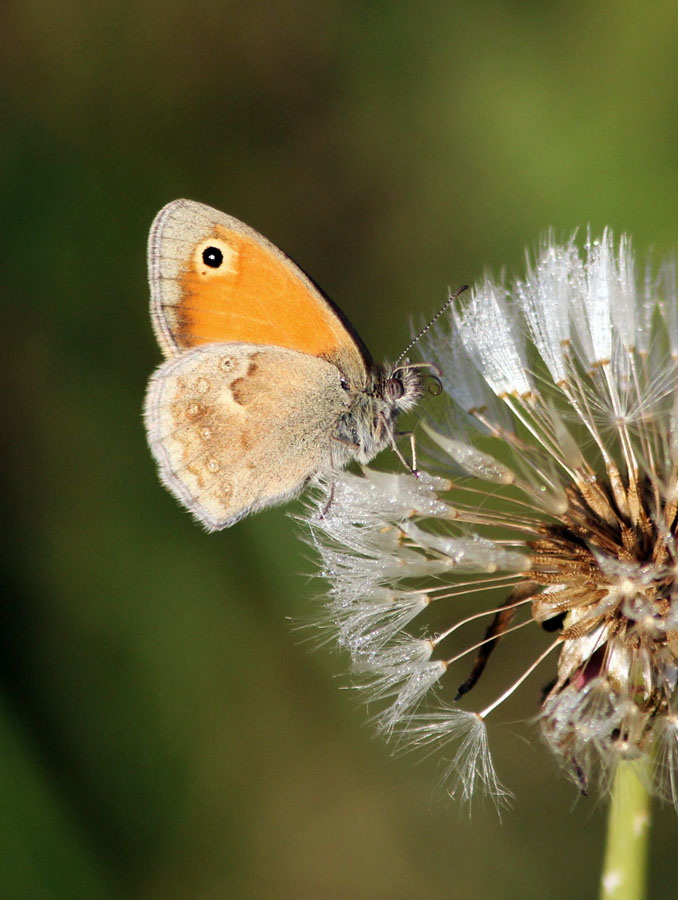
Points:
628	828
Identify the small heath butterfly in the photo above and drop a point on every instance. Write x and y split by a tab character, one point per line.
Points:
265	384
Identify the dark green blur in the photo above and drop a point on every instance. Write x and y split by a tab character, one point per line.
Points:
165	731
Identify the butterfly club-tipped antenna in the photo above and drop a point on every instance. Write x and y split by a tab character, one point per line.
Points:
450	300
429	365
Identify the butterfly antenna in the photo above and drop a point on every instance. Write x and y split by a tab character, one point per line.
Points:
446	305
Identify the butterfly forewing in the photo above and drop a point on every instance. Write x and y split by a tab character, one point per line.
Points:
215	279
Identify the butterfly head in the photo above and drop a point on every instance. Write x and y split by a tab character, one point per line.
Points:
400	387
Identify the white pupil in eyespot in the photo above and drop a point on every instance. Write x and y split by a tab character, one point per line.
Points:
212	257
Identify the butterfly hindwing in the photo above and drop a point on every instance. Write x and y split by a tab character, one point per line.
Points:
237	427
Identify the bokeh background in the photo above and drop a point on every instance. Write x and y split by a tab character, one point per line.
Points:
165	732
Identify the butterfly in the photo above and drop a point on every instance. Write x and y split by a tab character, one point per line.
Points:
265	383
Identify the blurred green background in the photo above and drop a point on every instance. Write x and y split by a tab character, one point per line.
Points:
164	731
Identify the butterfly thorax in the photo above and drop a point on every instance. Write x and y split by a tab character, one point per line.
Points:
369	424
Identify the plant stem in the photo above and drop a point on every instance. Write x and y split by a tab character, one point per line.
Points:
628	827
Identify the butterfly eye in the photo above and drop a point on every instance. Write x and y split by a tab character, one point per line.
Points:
393	389
344	383
212	257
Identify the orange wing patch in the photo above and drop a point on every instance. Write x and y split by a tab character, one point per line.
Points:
236	290
216	280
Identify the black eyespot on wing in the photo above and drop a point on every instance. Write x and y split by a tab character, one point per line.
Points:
212	257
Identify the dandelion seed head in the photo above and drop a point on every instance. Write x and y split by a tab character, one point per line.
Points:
550	476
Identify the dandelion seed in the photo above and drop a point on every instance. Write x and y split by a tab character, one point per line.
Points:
471	765
552	472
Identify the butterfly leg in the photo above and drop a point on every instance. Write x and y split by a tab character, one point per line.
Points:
413	449
334	465
345	442
330	499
